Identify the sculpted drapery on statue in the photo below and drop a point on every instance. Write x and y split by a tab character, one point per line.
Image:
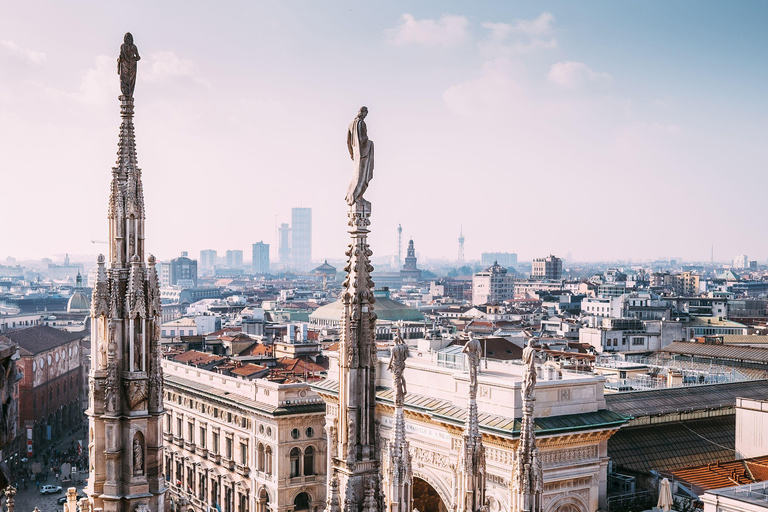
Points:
361	152
126	65
529	360
473	350
397	366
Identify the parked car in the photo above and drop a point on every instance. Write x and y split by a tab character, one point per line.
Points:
63	499
48	489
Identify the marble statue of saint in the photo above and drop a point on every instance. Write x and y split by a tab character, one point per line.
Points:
397	366
138	457
102	354
529	360
361	152
137	352
126	65
473	350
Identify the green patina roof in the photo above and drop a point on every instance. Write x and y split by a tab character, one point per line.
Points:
385	308
446	412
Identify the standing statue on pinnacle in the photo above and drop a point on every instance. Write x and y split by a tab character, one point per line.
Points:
529	360
473	350
397	366
361	152
126	65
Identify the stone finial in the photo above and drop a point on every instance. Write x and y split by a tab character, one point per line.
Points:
10	492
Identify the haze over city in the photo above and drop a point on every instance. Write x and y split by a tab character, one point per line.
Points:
602	130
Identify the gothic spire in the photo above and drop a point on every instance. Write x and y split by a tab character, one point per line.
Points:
355	456
398	474
527	476
471	467
125	414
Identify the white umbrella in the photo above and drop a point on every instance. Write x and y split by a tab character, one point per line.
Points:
665	496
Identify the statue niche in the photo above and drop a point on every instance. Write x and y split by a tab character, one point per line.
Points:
138	454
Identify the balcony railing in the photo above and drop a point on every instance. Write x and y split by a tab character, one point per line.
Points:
243	469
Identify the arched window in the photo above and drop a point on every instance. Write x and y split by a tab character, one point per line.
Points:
309	461
268	457
260	457
295	454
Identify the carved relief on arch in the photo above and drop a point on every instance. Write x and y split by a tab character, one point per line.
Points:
567	503
437	484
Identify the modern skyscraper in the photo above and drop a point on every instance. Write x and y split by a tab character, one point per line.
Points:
301	238
125	409
208	259
741	261
399	245
235	258
284	249
261	258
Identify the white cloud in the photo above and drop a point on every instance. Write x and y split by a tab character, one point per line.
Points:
11	50
573	75
501	83
521	36
449	30
166	65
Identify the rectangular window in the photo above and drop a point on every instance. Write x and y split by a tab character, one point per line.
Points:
191	431
229	448
215	446
202	437
179	427
243	454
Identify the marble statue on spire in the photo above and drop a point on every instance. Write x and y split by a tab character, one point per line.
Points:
397	366
398	474
354	445
125	408
361	151
473	350
126	65
471	464
528	476
529	360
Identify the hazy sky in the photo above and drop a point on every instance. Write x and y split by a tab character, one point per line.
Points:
603	129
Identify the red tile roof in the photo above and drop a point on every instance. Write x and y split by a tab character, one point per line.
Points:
248	369
197	358
719	474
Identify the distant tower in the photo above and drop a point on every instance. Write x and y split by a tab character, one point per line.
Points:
712	255
399	245
461	246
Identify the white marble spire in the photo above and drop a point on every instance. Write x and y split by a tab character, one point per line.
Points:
398	475
355	452
527	477
471	464
126	402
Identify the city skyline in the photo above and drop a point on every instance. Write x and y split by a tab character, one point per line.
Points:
650	113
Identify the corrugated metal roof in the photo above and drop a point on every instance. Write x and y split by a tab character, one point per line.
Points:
753	354
673	445
655	402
